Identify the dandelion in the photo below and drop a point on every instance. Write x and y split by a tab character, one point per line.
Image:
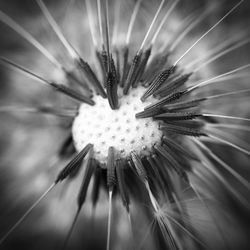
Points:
138	124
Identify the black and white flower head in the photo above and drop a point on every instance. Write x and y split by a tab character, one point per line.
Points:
128	123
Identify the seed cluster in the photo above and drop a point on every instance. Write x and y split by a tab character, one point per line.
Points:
104	127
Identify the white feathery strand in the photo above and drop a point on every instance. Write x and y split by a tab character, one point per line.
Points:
207	32
27	36
168	13
72	52
132	21
151	26
91	22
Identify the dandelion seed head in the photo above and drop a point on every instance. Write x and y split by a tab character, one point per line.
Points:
151	124
102	126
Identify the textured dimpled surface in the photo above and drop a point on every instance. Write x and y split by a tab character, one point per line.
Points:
104	127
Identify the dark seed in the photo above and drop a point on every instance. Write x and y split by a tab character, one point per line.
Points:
67	149
103	63
142	66
92	77
131	74
172	161
125	52
89	169
121	183
156	65
139	166
112	91
179	116
111	178
73	78
73	164
96	185
172	86
157	82
184	105
72	93
175	146
168	99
